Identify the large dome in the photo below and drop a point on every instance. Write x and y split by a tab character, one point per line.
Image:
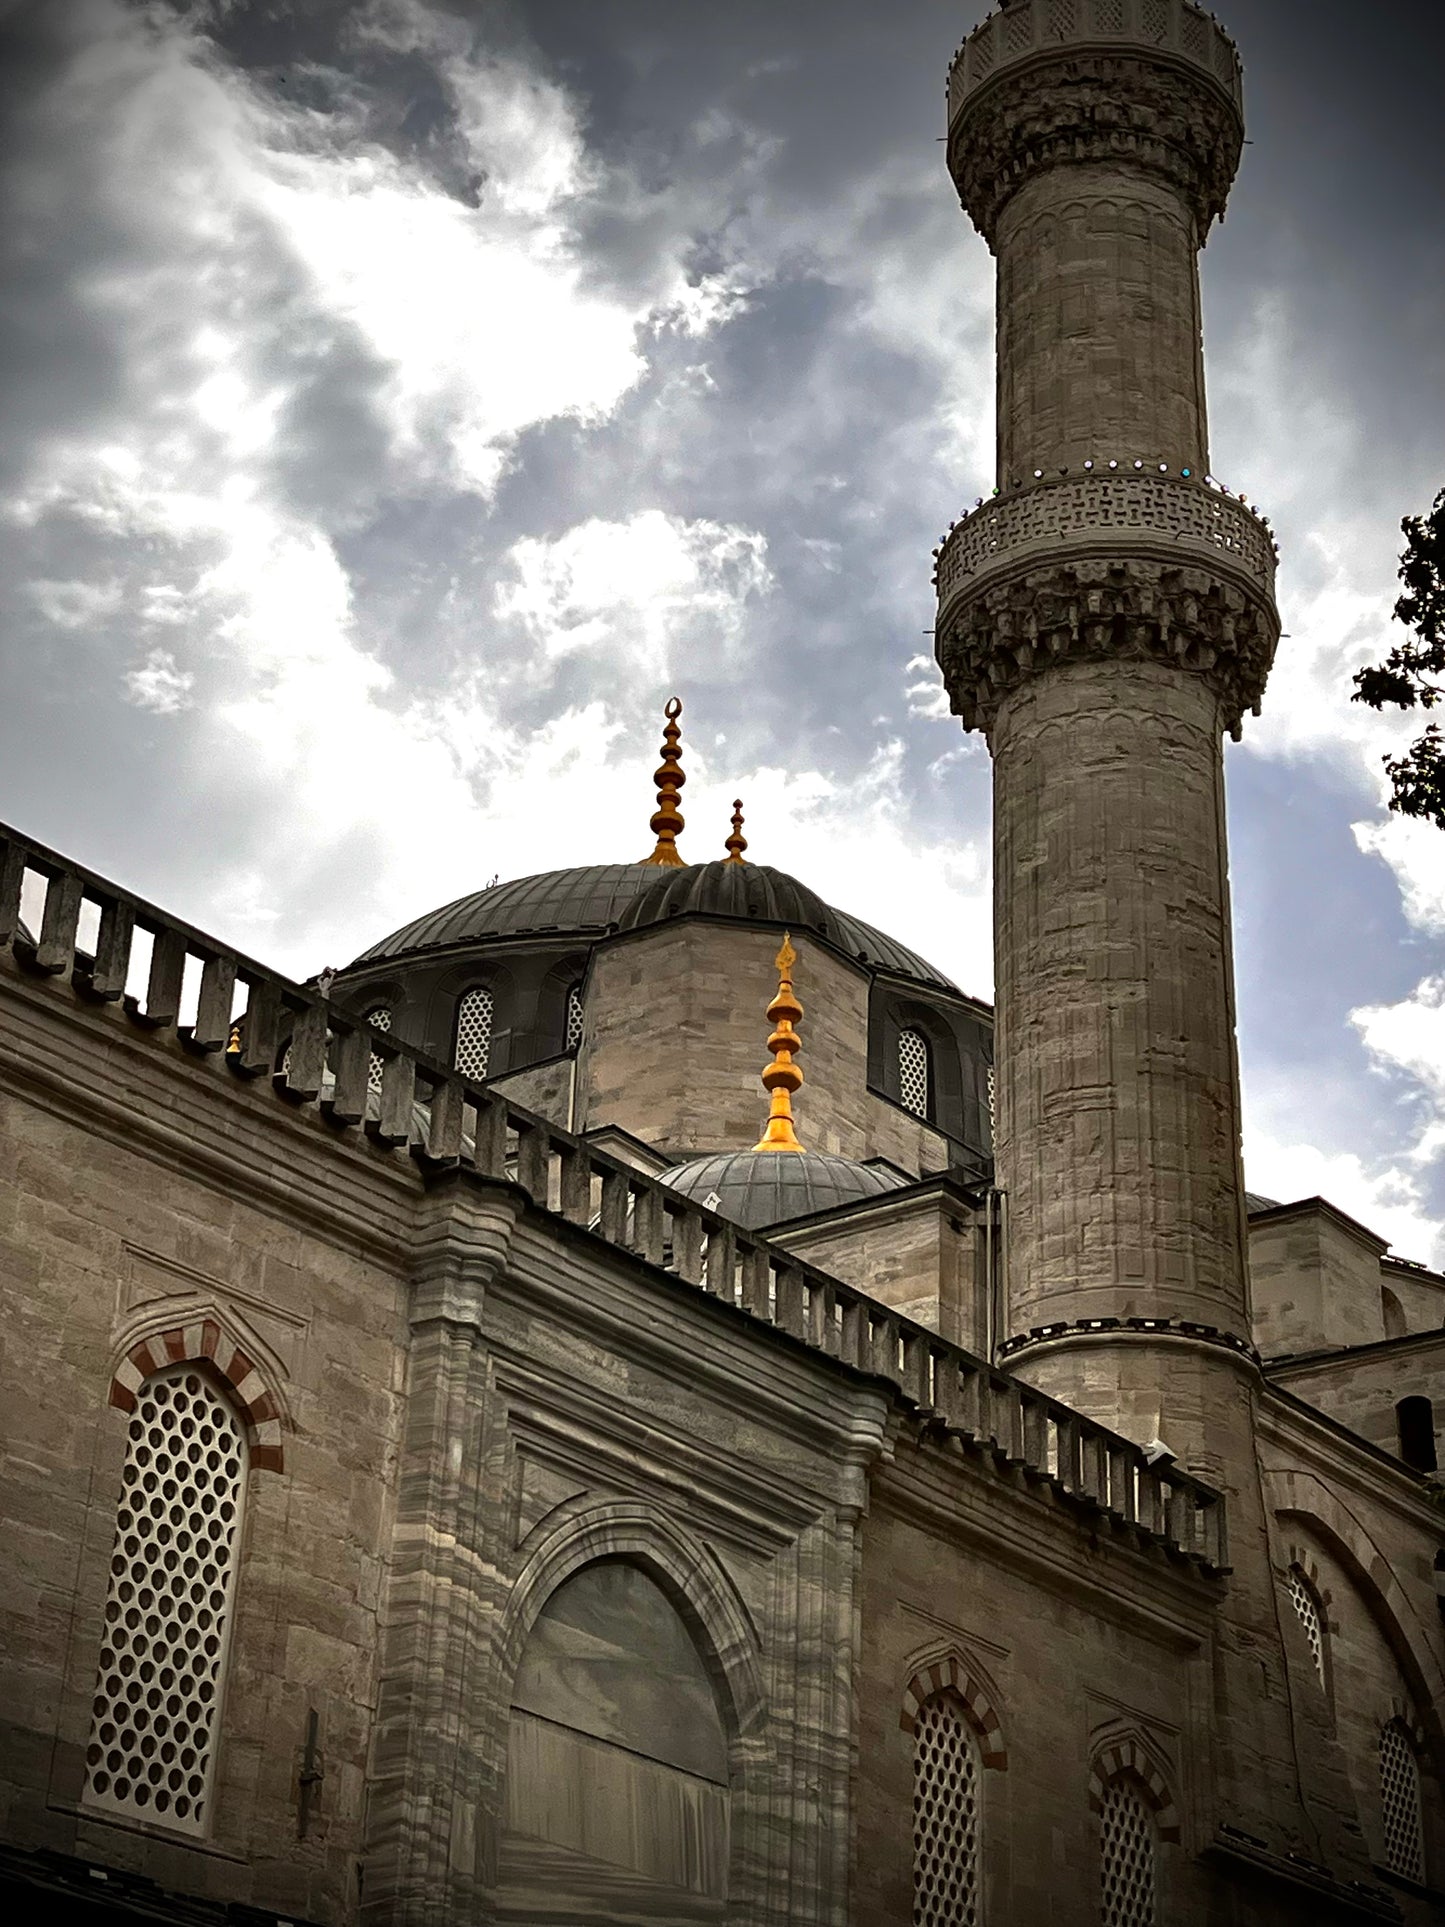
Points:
758	1188
596	898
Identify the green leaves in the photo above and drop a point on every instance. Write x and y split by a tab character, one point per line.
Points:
1409	677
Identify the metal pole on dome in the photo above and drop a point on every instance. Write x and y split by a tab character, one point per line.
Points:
784	1075
667	822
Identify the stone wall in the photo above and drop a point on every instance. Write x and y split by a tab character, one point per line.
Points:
922	1254
140	1196
689	1082
1314	1280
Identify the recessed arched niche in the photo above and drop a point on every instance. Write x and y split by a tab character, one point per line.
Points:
617	1758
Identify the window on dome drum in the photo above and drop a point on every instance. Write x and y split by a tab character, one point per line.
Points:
379	1019
914	1072
946	1788
1126	1856
1306	1603
1400	1802
574	1016
1415	1423
474	1032
168	1613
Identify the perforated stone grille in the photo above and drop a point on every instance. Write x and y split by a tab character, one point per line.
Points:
1154	19
152	1748
1126	1857
474	1032
1063	17
379	1019
913	1071
574	1016
945	1818
1109	15
1020	30
1400	1803
1310	1617
1111	504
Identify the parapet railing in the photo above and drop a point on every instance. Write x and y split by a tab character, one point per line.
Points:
321	1056
1027	27
1111	503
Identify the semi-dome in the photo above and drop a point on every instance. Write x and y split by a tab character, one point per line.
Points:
758	1188
596	898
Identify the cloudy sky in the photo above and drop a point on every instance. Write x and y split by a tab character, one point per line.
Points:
400	400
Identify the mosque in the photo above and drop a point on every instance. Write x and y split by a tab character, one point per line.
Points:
839	1454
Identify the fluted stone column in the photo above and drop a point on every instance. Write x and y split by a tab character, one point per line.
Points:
1104	619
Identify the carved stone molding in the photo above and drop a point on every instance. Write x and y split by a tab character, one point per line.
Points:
1107	608
1121	109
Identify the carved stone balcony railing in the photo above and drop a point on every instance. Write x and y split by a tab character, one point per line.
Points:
162	979
1030	27
1138	513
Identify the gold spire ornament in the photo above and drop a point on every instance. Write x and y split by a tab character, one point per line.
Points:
737	842
783	1076
667	821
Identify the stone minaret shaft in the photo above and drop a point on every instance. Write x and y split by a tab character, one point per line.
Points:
1104	619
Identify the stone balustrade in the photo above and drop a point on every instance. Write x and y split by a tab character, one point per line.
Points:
1141	510
1028	28
189	992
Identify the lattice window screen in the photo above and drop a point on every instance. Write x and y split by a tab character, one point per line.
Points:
1126	1857
474	1032
945	1818
152	1752
1310	1617
1400	1803
379	1019
992	1105
574	1016
913	1071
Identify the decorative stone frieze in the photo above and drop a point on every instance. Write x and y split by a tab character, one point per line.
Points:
1125	505
1128	110
1176	29
1106	607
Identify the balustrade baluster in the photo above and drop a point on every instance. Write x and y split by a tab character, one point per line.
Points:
55	947
214	1004
445	1119
111	965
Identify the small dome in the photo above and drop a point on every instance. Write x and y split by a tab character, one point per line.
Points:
758	1188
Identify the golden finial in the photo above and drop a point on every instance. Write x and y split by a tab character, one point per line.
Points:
669	780
737	842
783	1076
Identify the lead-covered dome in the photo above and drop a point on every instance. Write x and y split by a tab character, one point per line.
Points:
759	1188
594	899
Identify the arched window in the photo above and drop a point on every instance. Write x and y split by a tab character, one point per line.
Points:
1127	1837
914	1072
1306	1603
1393	1313
1400	1802
379	1019
617	1760
946	1776
474	1032
1415	1423
168	1613
574	1016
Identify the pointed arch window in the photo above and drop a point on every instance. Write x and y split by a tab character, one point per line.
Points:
380	1019
1400	1802
1127	1854
1415	1424
574	1016
170	1605
946	1814
1306	1602
476	1013
915	1072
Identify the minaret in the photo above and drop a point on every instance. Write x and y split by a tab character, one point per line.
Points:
1104	618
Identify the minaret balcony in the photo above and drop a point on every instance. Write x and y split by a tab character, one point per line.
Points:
1019	32
1114	561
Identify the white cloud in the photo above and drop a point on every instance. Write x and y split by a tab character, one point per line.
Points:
643	593
75	605
1386	1197
158	685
